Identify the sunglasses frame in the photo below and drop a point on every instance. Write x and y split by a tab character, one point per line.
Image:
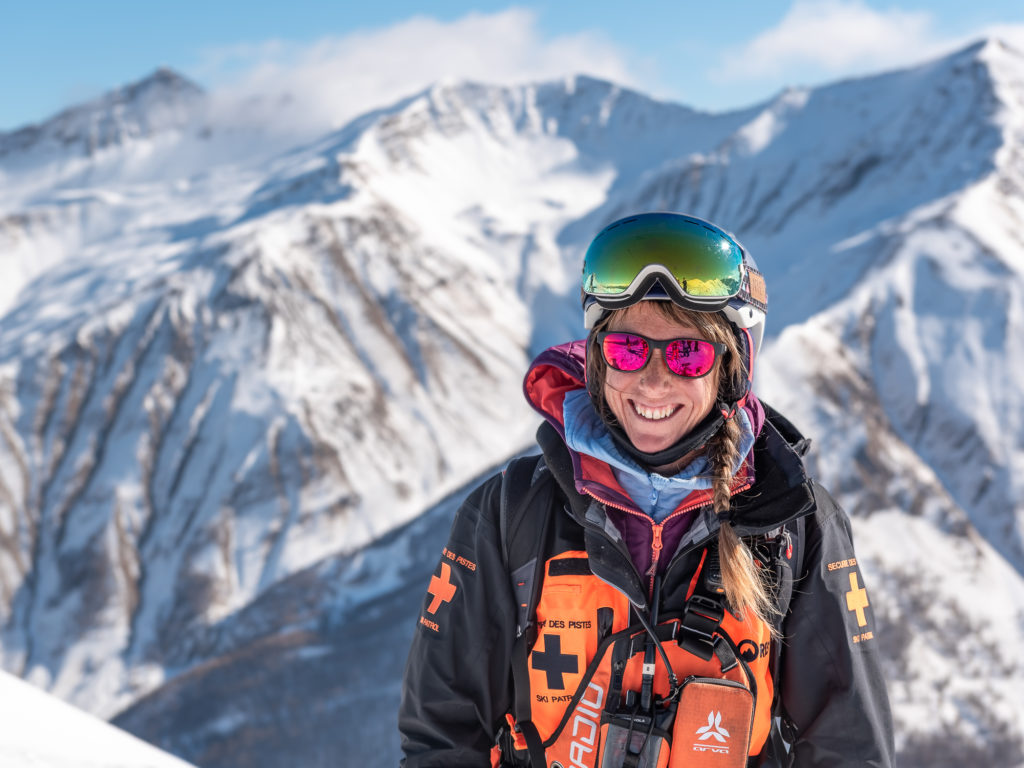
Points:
653	344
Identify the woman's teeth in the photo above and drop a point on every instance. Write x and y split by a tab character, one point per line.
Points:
654	413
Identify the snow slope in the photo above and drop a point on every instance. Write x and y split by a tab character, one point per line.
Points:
41	731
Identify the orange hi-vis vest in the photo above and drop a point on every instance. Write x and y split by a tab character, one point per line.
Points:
577	681
584	657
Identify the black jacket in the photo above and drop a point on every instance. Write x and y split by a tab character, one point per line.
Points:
832	697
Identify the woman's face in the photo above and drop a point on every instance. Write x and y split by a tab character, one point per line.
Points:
655	406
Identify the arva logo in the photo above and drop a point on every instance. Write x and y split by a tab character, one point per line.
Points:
712	737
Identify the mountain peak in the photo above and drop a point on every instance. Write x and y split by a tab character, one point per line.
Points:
993	44
160	101
992	50
164	81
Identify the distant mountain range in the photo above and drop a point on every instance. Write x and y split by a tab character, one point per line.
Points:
243	384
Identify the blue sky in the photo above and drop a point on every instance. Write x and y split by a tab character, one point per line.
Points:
341	57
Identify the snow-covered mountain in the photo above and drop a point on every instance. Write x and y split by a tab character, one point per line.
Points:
230	385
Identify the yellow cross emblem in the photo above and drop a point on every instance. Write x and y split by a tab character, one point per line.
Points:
857	600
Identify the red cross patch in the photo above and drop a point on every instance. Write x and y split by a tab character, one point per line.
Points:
441	588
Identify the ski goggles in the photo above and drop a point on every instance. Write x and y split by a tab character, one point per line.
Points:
698	265
691	358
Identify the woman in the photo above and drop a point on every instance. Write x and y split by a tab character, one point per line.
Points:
665	586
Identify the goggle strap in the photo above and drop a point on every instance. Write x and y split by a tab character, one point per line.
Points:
753	289
750	360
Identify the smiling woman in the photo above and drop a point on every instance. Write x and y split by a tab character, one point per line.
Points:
654	403
633	600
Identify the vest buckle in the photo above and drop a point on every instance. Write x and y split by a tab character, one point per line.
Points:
700	623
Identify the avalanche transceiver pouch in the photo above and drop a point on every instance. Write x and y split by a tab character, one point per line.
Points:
713	722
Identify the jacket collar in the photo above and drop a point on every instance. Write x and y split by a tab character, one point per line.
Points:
553	374
780	492
782	488
562	369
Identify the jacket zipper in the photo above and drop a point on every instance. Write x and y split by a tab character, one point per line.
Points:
657	528
623	549
655	552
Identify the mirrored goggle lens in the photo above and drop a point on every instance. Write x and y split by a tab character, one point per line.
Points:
704	262
684	357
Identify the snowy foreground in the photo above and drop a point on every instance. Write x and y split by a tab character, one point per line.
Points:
41	731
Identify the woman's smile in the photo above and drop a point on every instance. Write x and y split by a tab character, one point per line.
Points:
653	413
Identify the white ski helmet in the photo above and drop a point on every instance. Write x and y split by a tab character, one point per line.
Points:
673	256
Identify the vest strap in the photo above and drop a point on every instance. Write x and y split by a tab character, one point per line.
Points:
700	623
521	680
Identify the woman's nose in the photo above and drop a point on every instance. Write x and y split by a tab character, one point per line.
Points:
656	374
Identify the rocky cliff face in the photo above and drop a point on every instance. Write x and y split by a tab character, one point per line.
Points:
229	386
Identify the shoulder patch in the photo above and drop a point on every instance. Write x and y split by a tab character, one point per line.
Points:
443	587
860	621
